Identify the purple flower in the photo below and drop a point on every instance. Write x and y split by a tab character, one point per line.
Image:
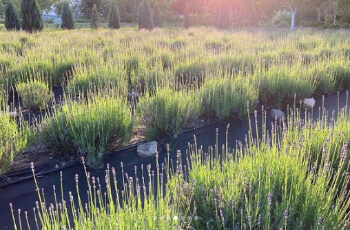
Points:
178	154
286	214
179	169
344	151
221	213
269	199
326	168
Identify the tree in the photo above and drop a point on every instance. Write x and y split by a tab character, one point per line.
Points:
12	21
114	20
179	6
145	19
67	17
46	4
187	22
223	18
344	11
122	8
86	7
73	4
94	17
294	6
31	16
157	19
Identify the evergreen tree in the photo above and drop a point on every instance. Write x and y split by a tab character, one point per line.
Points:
187	22
94	17
157	19
122	9
101	5
31	16
67	17
145	19
12	21
114	20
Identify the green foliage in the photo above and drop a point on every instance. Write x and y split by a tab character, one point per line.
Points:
143	204
114	20
282	18
8	132
235	64
86	127
325	80
34	94
341	72
12	21
89	79
279	85
290	182
295	180
45	5
167	112
228	97
14	138
67	17
192	74
62	71
94	18
145	18
86	7
31	16
157	18
166	60
25	71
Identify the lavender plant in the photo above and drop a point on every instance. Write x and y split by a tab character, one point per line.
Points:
34	93
167	112
86	126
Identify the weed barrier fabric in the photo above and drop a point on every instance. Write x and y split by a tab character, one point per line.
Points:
22	193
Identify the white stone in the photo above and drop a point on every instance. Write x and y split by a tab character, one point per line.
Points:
147	149
309	103
277	114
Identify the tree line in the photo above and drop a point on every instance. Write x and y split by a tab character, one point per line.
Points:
221	13
334	13
30	18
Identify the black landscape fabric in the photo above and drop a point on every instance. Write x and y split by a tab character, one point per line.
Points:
18	188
